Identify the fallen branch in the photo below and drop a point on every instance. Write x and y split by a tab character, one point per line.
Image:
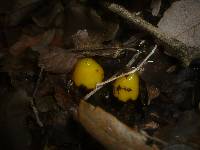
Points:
173	46
114	77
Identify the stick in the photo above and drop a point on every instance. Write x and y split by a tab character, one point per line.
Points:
173	46
154	138
114	77
34	108
132	71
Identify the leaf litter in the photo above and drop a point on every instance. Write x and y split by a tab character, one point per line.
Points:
37	85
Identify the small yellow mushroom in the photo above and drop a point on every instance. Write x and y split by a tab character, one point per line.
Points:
126	88
87	73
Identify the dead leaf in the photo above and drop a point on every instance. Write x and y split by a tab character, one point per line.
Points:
57	41
45	104
47	15
63	100
185	130
58	60
108	130
155	6
18	10
14	110
92	45
182	21
26	41
80	17
82	40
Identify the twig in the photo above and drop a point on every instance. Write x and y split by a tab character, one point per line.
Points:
92	92
154	138
173	46
38	82
114	77
132	71
35	110
129	64
132	60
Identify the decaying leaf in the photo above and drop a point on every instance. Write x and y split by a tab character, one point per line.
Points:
18	10
45	17
58	60
62	99
82	40
155	5
112	133
15	108
26	41
81	17
182	21
92	45
185	130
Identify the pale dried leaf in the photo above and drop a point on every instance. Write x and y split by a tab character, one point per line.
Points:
82	40
155	6
182	21
108	130
58	61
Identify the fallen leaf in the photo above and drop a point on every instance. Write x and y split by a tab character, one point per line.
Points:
80	17
182	21
45	104
26	41
62	98
155	6
185	130
57	41
58	60
92	45
14	110
82	40
108	130
47	15
18	10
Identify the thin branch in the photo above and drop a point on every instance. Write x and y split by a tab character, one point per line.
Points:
130	72
154	138
114	77
128	65
34	108
38	82
173	46
92	92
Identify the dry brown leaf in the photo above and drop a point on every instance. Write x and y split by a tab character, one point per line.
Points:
18	10
26	41
44	19
80	17
58	60
62	99
108	130
182	21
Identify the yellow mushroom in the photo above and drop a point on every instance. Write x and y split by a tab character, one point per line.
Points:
87	73
126	88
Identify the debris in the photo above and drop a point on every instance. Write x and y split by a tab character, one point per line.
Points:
155	6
